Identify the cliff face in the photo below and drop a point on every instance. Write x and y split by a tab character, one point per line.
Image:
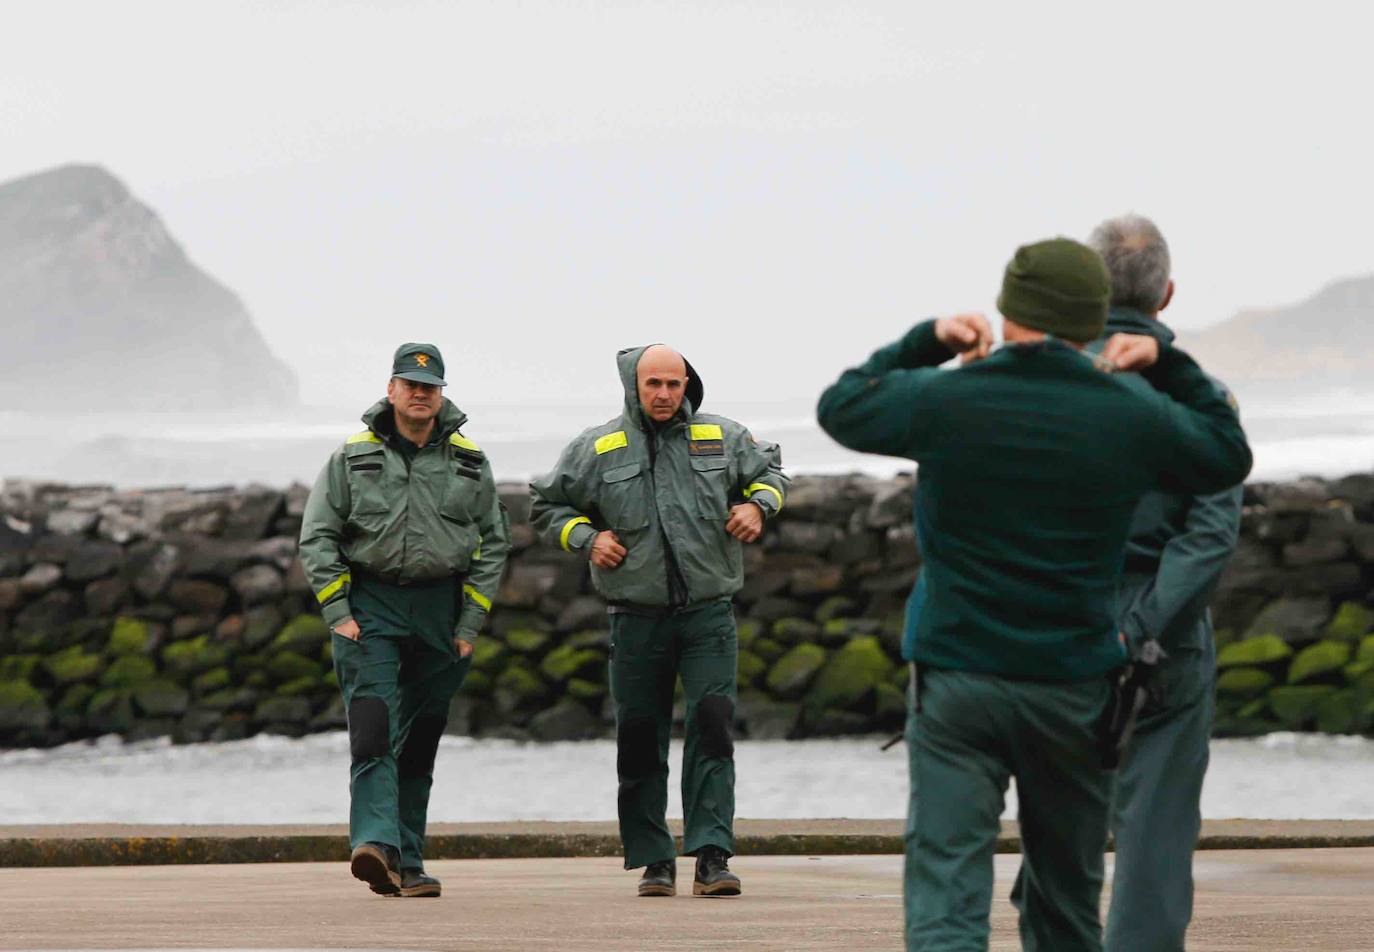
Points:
1325	343
96	294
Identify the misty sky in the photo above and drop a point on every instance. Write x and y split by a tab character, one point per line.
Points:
776	188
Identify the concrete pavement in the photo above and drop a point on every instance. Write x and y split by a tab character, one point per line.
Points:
1248	901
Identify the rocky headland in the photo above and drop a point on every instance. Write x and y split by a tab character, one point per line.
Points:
185	614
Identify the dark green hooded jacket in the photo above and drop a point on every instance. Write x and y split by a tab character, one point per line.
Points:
1032	462
1178	547
666	491
435	515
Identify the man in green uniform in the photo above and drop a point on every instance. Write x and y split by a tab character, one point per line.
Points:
1178	546
659	500
1032	461
403	542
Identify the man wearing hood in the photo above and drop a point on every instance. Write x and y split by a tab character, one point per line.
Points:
659	500
403	542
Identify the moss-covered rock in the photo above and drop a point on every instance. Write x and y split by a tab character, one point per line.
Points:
22	707
128	636
194	655
110	711
477	683
751	668
838	631
518	689
1325	657
257	679
216	679
488	655
75	698
287	666
327	652
1360	674
585	690
836	606
72	666
598	638
1264	649
1343	712
851	676
889	709
792	674
1244	682
304	686
128	671
161	698
767	649
1221	637
791	631
1352	622
19	667
747	630
230	699
565	662
282	710
1296	706
303	635
1366	650
528	640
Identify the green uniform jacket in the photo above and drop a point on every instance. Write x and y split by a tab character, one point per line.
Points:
1179	545
666	491
408	520
1032	462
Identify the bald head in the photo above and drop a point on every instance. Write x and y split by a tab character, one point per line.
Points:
661	376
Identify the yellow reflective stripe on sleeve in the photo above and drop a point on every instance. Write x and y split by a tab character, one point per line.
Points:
611	441
459	440
366	436
328	592
706	431
755	487
568	528
481	600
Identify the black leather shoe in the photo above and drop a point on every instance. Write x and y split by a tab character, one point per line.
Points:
713	874
416	883
377	865
659	879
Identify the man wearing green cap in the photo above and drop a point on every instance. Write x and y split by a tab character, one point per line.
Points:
659	500
1032	460
403	542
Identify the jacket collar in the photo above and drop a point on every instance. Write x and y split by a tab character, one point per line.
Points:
1127	320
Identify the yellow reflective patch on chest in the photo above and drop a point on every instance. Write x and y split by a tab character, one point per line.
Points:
706	431
611	441
462	442
366	436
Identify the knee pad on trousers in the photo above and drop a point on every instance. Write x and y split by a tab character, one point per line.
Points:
636	748
715	719
369	728
421	744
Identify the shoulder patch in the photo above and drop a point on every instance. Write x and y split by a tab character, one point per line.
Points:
611	441
366	436
463	443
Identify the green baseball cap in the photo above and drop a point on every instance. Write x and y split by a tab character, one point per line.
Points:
419	362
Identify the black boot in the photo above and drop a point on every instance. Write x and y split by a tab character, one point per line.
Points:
377	864
713	874
659	879
417	883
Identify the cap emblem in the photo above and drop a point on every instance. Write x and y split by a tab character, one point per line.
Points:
422	359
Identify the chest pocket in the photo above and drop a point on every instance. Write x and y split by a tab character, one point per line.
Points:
463	482
366	470
625	497
711	479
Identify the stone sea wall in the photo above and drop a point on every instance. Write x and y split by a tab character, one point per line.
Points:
185	614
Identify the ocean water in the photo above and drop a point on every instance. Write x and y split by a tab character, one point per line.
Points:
281	780
1327	438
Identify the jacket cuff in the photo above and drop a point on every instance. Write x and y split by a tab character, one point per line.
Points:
581	536
336	612
470	623
921	348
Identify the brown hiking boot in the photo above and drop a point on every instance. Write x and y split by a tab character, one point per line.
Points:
659	879
375	864
416	883
713	874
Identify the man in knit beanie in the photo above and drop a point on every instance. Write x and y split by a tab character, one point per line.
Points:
1032	460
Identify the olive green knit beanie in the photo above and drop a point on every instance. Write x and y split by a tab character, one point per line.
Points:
1057	286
